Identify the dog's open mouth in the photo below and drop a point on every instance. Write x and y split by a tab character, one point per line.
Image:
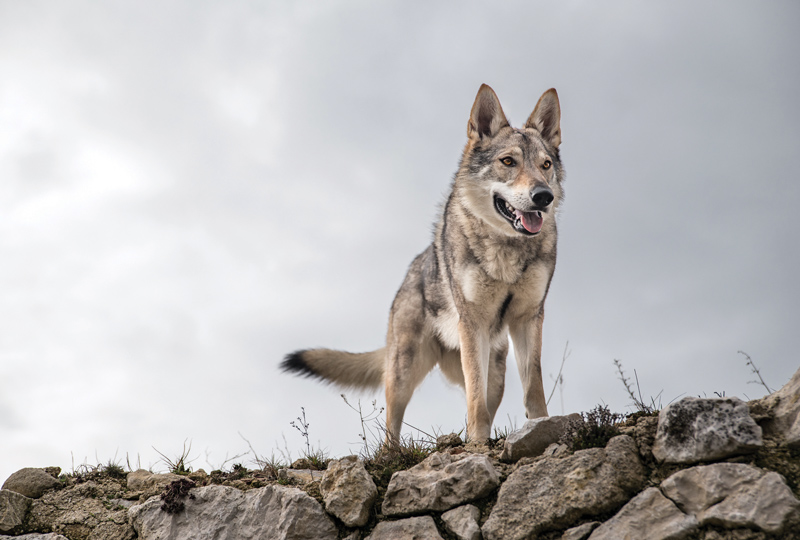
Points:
523	222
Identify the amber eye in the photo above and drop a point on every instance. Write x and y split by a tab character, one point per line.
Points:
547	164
508	162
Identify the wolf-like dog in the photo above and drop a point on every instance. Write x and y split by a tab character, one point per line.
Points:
485	276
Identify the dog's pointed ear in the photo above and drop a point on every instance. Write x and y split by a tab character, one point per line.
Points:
546	118
487	117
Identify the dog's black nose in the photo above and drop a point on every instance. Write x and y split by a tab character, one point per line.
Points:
541	196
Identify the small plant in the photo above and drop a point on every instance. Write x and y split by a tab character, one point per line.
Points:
399	457
316	459
757	372
503	432
114	470
179	465
238	471
558	382
302	427
174	494
641	406
371	416
268	464
593	430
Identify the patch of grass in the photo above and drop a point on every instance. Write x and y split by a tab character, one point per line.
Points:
115	470
390	459
269	464
593	430
179	464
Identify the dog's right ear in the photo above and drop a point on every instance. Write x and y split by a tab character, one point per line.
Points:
487	117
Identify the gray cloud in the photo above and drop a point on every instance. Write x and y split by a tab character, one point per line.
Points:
189	192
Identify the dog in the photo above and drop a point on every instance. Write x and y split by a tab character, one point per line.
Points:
485	275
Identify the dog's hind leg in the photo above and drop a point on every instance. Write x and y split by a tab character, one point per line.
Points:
410	359
411	354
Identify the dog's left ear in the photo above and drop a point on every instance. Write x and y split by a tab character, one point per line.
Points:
546	118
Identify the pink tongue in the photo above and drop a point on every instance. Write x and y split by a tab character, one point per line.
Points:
532	221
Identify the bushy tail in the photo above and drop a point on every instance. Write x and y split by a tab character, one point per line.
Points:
351	370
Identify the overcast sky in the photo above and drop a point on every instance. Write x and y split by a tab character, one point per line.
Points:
188	191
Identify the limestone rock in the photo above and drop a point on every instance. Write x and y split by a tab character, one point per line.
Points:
142	480
81	510
226	513
462	522
648	515
35	536
694	429
580	532
415	528
439	483
300	476
784	412
348	491
535	436
32	483
451	440
734	495
554	493
13	508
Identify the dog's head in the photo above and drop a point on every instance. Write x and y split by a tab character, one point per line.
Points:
511	178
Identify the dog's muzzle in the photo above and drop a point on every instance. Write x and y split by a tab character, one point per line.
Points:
528	223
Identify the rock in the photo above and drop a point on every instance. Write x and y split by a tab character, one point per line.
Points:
226	513
734	495
348	491
416	528
462	522
735	534
13	508
142	480
197	476
643	432
694	429
784	412
32	483
35	536
648	515
553	493
439	483
556	450
535	436
81	511
450	440
300	476
580	532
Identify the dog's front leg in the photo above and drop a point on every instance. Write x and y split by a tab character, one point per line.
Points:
527	338
475	363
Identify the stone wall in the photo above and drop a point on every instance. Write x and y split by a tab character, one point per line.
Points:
704	469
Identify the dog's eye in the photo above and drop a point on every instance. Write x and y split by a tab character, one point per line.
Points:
547	164
508	162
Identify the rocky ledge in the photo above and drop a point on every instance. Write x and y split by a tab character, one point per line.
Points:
703	469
